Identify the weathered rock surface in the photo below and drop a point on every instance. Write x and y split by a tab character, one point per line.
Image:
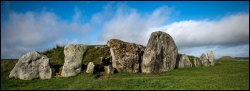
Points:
90	68
196	62
125	56
109	69
211	58
160	53
32	65
183	61
204	60
141	48
102	47
73	59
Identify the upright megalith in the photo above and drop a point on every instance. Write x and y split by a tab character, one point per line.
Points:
109	69
204	60
73	59
160	53
183	61
125	56
32	65
197	62
211	58
90	68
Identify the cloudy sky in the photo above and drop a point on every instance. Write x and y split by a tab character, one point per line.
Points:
196	26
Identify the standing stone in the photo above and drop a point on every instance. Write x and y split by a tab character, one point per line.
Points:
90	68
204	60
196	62
101	59
73	59
124	56
32	65
183	61
211	58
160	53
109	69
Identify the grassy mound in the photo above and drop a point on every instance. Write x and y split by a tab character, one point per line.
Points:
56	55
94	55
226	58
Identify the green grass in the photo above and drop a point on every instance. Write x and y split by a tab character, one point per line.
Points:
94	55
55	55
226	75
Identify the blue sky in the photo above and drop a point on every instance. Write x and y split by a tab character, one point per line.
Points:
196	26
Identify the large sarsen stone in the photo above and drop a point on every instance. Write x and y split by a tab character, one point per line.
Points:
211	58
73	59
197	62
32	65
204	60
160	53
126	56
183	61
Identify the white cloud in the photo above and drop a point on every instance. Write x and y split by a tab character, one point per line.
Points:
229	31
37	31
191	36
223	36
24	32
129	25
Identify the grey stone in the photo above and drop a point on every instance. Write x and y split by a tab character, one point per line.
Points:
211	58
183	61
204	60
197	62
160	53
31	66
90	68
109	69
125	56
73	59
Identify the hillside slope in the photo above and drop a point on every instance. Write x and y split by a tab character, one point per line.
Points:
226	58
56	55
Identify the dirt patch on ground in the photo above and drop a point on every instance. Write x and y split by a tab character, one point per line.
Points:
101	76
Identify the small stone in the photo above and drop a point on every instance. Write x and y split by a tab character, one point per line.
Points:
90	68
